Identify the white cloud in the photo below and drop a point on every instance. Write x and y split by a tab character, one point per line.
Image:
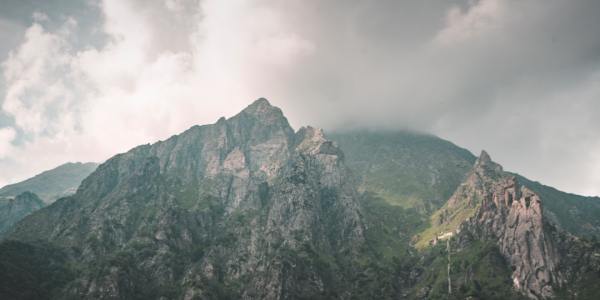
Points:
477	20
37	80
513	77
40	17
146	83
7	135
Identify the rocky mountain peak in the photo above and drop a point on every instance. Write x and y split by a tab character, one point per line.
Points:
484	158
312	140
484	166
478	184
261	102
262	109
242	200
246	208
512	215
491	205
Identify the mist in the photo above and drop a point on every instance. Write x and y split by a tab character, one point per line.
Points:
520	79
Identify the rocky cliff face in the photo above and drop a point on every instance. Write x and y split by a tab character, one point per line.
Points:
492	205
243	208
417	170
248	208
14	209
513	216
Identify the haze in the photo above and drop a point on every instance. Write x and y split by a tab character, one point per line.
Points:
518	78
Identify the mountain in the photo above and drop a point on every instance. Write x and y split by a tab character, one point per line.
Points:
491	207
21	199
52	184
388	162
243	208
14	209
248	208
409	169
422	171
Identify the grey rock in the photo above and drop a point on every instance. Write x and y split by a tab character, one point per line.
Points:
244	206
512	215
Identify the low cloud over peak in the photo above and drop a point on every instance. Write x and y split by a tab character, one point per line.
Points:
518	78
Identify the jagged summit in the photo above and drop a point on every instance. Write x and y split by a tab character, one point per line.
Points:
248	208
312	140
492	205
260	105
261	101
259	120
486	167
262	108
235	202
484	158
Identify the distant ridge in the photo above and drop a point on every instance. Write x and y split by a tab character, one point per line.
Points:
52	184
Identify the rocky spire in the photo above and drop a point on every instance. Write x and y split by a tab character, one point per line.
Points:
512	215
261	121
485	167
263	110
484	158
491	205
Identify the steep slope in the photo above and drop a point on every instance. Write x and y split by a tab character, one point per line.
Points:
513	215
409	169
492	206
482	179
52	184
422	171
14	209
244	208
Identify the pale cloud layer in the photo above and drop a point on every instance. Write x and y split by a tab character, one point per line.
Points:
7	135
520	79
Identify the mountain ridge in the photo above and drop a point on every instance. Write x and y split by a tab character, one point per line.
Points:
249	208
52	184
253	169
492	207
399	166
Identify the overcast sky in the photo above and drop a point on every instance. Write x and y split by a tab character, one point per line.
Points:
519	78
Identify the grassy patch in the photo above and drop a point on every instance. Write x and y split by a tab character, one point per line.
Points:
445	220
478	271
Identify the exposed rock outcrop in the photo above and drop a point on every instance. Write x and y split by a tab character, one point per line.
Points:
492	205
243	208
512	215
247	208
